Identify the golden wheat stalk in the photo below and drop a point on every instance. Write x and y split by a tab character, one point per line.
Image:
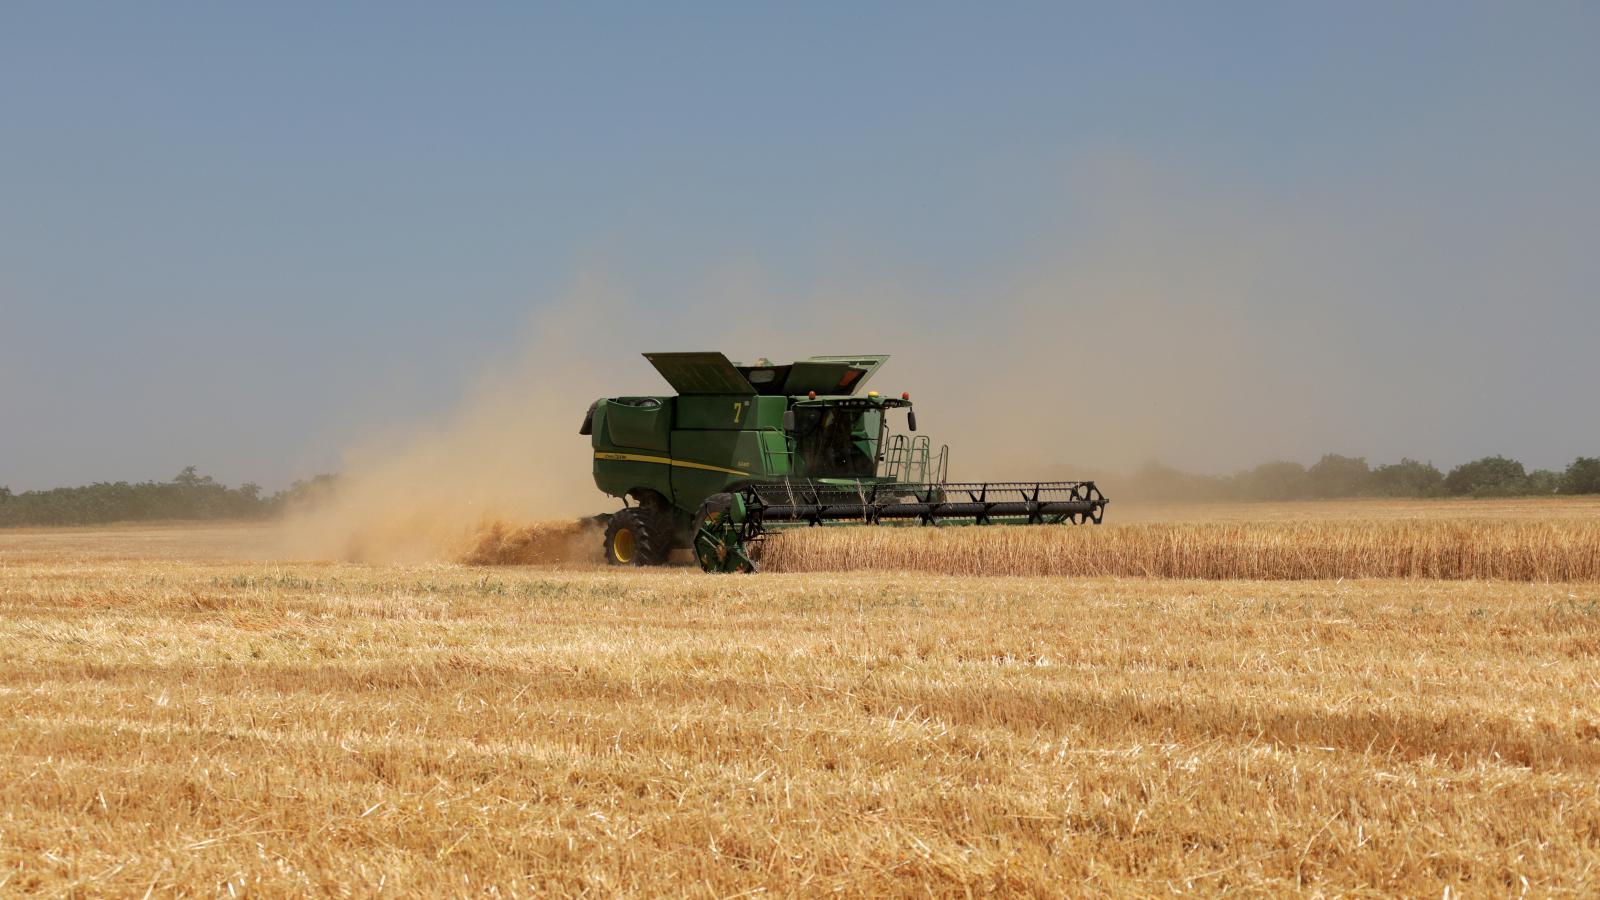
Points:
1509	551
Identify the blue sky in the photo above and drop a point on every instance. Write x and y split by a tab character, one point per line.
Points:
243	237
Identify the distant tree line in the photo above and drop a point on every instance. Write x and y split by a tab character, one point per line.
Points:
1336	476
190	495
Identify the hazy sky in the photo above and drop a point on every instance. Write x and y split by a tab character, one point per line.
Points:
244	236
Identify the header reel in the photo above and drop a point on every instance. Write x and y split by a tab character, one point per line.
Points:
731	525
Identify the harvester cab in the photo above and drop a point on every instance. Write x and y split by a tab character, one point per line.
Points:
743	450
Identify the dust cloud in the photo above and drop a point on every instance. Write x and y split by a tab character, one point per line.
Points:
509	455
538	543
1151	328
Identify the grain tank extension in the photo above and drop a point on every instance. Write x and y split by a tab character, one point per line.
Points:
741	451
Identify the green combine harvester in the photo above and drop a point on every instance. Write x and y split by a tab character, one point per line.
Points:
742	451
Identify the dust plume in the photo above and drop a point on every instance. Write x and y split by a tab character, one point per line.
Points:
1162	320
468	486
539	543
1152	324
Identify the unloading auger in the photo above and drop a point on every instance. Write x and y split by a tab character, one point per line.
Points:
743	451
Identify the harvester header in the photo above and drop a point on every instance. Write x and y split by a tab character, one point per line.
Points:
741	451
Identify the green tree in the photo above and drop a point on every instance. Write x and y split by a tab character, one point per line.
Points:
1541	482
1338	476
1272	481
190	495
191	478
306	494
1406	478
1161	482
1491	476
1582	477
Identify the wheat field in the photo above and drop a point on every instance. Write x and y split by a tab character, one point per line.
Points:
186	715
1510	550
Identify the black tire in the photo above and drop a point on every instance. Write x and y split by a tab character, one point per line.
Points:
638	537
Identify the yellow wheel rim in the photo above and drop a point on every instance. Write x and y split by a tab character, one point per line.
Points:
623	545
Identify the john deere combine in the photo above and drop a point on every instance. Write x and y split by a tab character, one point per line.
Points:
742	451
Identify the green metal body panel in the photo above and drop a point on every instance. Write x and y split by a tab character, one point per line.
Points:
729	412
707	440
640	427
700	373
690	447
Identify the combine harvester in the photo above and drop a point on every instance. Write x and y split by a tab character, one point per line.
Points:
743	451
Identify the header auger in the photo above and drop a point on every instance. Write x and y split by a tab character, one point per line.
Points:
743	451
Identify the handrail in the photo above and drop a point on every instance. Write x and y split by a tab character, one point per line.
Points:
912	460
767	453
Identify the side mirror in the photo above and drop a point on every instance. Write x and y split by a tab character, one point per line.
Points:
911	419
788	420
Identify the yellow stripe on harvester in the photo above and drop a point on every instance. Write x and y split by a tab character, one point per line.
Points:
665	461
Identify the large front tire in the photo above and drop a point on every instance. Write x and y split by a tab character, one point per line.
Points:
637	537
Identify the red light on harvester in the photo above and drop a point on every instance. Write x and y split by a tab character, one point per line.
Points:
905	395
811	394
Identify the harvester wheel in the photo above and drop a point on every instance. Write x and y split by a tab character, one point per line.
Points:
638	537
717	542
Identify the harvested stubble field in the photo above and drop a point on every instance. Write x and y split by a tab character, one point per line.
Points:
195	723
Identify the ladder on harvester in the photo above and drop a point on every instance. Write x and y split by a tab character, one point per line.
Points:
911	460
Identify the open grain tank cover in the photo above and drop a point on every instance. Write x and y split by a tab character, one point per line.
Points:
831	374
700	373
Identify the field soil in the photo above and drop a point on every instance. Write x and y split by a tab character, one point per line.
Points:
184	714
